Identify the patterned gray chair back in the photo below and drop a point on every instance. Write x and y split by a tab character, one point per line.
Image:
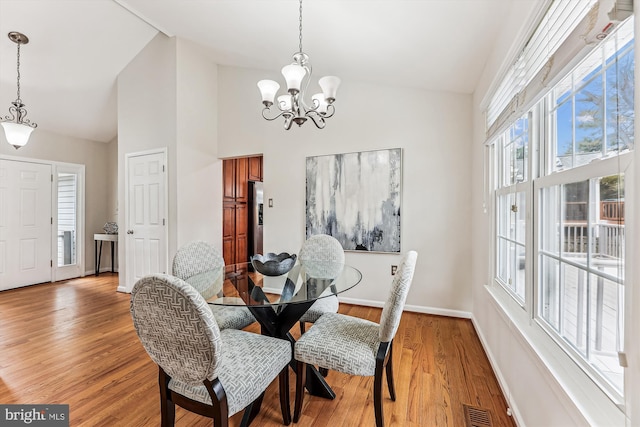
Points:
176	328
322	256
392	311
196	258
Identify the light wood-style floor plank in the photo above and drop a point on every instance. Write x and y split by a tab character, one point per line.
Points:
73	343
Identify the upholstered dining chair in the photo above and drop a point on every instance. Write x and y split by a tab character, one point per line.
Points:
356	346
199	257
212	372
323	248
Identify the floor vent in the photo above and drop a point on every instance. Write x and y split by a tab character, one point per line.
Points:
477	417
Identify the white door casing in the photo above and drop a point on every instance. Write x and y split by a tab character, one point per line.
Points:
25	223
146	212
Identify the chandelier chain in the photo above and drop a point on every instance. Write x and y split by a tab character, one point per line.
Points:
18	81
300	28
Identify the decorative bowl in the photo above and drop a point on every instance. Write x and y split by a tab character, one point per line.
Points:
110	228
271	264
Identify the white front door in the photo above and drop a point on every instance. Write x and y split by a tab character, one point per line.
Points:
25	223
146	236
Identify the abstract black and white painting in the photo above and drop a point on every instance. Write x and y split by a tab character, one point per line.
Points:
355	197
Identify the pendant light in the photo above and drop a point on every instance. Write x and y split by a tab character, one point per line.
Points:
17	128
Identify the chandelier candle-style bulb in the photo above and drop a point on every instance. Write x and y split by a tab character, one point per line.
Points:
292	105
17	128
329	86
268	89
293	74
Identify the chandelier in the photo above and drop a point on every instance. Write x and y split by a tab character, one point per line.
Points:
292	105
17	128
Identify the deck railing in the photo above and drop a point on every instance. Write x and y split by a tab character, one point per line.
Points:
609	239
612	211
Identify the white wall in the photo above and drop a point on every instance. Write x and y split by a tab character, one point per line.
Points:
49	146
147	120
198	169
167	98
542	391
434	131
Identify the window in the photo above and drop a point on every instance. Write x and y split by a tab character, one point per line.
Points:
68	247
67	213
569	275
581	271
511	207
593	108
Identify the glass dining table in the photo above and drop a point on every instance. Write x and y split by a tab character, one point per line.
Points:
278	302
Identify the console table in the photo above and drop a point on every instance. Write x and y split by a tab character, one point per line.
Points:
113	238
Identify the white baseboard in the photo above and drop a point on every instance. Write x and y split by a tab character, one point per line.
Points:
515	413
410	307
407	307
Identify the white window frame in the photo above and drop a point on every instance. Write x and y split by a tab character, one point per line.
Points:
586	381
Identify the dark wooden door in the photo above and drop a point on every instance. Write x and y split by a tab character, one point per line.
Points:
242	180
236	174
242	238
229	180
228	233
255	168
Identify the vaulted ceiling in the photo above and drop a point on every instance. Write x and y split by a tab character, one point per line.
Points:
78	47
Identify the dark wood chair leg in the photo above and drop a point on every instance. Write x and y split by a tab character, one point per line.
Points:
220	407
284	396
302	327
301	378
377	395
383	356
323	371
167	407
389	369
251	411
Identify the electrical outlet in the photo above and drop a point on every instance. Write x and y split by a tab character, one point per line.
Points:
394	269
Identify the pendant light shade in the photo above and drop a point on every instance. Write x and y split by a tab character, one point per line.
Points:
17	134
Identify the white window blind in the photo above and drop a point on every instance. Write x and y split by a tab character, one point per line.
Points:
560	20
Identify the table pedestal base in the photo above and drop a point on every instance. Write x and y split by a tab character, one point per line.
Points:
278	324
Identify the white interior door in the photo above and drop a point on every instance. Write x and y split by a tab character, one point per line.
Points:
25	223
146	238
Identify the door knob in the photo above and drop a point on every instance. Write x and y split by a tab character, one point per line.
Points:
129	231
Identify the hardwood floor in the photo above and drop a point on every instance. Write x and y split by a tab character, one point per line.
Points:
73	343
